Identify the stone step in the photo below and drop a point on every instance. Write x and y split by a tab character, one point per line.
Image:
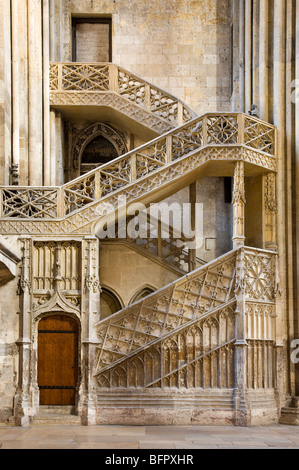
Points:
57	410
56	415
57	419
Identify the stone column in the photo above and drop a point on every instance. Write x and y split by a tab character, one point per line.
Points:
279	120
255	52
264	61
56	30
90	317
239	206
192	201
15	91
296	196
35	93
46	91
248	55
5	92
23	400
240	404
242	56
52	147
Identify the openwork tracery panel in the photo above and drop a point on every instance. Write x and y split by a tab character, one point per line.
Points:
163	312
131	87
163	105
115	175
200	355
189	138
74	81
259	135
33	203
151	158
173	250
222	129
260	279
135	174
79	194
79	77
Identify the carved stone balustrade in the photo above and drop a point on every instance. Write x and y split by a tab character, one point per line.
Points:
211	333
106	84
213	142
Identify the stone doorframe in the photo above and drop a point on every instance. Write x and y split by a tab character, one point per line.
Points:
87	314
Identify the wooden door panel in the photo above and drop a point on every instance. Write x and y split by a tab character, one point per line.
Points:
57	360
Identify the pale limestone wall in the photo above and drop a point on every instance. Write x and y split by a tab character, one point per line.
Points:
253	211
9	334
217	216
181	46
8	348
5	94
126	272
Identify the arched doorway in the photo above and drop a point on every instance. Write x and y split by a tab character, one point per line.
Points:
96	145
98	152
57	360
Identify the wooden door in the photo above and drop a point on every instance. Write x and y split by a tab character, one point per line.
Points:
57	360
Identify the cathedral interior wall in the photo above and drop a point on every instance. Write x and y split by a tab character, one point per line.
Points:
9	335
193	51
186	54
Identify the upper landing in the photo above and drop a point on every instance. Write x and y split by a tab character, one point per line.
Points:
109	91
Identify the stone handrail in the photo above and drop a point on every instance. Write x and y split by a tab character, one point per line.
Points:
149	343
66	78
217	131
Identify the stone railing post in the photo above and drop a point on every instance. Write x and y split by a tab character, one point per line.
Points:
240	405
90	317
239	206
205	131
113	78
133	167
270	212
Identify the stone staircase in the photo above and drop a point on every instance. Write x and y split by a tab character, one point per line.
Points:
154	341
109	85
191	335
211	144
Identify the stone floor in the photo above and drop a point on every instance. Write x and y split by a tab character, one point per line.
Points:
148	437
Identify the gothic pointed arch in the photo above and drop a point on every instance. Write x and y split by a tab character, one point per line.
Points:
96	145
141	293
110	302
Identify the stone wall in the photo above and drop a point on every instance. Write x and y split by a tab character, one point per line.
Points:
181	46
127	272
9	334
